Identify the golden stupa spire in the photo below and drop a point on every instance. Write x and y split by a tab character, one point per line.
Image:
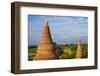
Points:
45	48
79	49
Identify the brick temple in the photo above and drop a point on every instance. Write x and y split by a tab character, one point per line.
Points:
45	48
79	49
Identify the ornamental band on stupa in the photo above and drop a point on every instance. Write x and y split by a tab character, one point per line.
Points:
45	48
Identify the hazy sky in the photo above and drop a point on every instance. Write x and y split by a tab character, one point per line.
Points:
63	29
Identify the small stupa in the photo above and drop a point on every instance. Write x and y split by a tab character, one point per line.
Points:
79	49
45	50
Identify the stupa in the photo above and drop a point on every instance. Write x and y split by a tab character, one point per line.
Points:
79	49
45	50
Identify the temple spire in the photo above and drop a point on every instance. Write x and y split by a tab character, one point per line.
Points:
46	23
45	48
79	49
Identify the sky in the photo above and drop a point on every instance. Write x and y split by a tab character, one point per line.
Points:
63	29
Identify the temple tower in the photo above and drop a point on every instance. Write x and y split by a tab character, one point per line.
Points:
79	50
45	50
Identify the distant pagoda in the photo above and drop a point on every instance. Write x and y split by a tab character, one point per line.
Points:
45	50
79	49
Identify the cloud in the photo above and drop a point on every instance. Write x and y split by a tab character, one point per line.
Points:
61	28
